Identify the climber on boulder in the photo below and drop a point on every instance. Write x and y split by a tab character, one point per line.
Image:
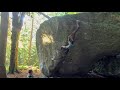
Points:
71	38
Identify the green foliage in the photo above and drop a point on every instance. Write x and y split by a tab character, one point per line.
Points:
8	48
22	67
72	12
52	14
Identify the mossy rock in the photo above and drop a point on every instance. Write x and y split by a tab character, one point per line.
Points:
98	36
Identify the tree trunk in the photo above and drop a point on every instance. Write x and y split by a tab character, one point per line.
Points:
3	42
14	51
30	44
16	56
17	23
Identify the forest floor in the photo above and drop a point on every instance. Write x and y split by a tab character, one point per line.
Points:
23	74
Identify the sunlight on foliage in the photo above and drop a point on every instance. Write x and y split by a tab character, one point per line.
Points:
20	44
52	14
21	67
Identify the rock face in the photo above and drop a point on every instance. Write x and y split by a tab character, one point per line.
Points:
98	36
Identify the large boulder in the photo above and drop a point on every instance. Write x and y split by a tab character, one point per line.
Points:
98	36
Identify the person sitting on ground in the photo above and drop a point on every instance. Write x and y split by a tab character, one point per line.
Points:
30	74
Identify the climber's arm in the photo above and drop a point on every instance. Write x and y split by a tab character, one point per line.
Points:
67	46
71	36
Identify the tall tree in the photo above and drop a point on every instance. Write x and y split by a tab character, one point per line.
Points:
17	24
3	41
30	43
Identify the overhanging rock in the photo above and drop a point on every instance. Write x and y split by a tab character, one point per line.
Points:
99	35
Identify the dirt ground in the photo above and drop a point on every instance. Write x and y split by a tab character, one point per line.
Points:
23	74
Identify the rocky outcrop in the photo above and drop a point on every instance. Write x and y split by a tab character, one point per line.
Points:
98	36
